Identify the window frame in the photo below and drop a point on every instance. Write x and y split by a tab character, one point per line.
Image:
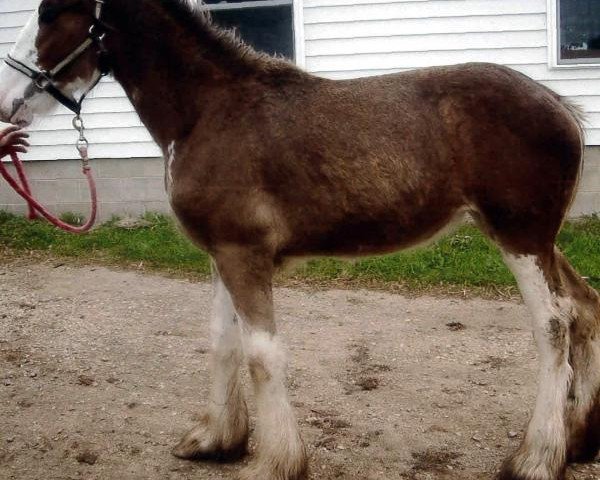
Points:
297	20
554	60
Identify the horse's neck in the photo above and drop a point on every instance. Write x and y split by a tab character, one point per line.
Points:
168	75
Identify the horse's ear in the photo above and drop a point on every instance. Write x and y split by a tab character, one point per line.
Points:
49	10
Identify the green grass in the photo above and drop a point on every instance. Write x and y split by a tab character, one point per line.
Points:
158	245
463	260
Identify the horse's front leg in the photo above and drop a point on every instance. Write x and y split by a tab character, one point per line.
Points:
222	433
280	452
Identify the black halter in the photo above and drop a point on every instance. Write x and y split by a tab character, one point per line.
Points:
45	80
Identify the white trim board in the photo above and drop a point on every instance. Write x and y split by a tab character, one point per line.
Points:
299	33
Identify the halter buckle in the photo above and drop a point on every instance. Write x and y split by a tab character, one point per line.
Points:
94	35
42	80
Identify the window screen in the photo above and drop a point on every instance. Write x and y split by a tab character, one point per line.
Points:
267	25
579	31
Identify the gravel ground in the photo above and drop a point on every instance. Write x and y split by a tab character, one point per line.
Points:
101	371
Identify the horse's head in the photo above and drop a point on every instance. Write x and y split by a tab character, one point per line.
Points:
46	61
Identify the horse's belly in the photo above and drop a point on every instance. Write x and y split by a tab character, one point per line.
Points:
373	236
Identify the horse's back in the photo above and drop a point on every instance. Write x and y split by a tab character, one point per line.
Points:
393	158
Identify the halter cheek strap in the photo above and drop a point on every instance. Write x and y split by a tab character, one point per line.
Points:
45	81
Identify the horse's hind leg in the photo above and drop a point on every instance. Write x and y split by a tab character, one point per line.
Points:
565	422
222	433
542	455
583	402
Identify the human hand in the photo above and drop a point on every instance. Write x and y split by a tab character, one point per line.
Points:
13	139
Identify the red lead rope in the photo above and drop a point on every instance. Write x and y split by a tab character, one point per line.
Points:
36	207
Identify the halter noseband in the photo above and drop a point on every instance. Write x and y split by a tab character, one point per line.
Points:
45	80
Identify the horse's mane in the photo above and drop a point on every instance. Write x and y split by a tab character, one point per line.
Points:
223	42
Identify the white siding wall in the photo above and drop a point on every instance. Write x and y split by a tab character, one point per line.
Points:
350	38
343	39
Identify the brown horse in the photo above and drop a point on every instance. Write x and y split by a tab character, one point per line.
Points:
266	163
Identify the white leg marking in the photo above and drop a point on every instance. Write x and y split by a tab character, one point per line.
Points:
543	452
281	452
225	426
227	409
227	346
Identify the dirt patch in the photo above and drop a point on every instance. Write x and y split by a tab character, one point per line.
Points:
362	372
102	371
441	462
455	326
88	457
12	355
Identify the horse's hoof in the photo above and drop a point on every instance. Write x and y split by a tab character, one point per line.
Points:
507	473
288	470
510	472
201	443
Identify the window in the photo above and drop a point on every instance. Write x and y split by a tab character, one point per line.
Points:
577	32
267	25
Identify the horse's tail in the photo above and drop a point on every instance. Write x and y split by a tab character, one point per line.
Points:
579	118
577	114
